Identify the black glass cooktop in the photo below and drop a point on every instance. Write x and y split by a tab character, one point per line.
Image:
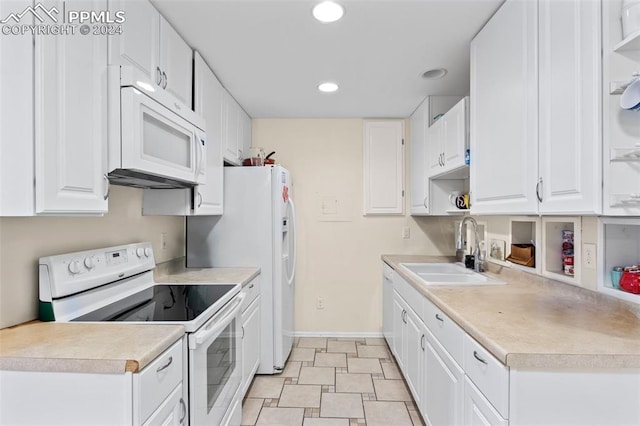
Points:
161	303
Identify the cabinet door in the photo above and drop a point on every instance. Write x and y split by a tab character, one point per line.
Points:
415	332
434	136
250	343
138	44
384	167
504	112
245	121
387	304
455	141
71	119
419	179
570	106
208	102
398	330
176	61
477	410
231	116
443	386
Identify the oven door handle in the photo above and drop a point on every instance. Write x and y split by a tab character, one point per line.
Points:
216	324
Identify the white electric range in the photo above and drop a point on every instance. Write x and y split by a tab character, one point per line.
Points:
116	284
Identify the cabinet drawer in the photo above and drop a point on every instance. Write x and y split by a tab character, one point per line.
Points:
447	332
157	380
412	296
251	290
488	374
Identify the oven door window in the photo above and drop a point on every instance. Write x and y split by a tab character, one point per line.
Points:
221	365
215	359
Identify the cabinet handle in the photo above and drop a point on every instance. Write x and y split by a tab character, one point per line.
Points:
476	356
439	318
158	76
539	190
240	154
164	367
199	199
164	77
422	342
107	186
443	159
404	316
439	160
251	286
242	327
424	203
183	407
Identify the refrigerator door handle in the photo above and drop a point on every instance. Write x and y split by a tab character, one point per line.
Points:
292	239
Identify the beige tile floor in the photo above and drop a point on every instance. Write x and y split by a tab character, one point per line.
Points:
333	382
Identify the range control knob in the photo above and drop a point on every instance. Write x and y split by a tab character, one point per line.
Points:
140	252
147	252
89	262
74	267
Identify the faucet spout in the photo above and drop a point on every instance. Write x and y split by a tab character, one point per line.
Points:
478	264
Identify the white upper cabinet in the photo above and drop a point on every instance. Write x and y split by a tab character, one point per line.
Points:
208	100
175	62
384	167
237	131
447	140
536	126
54	131
151	44
418	171
570	130
504	112
71	120
139	44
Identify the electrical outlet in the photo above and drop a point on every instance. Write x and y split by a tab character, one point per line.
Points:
320	303
406	232
163	241
589	256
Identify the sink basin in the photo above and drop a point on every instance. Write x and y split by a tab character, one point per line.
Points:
448	274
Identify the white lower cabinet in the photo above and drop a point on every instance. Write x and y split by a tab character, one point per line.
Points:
387	303
154	395
250	343
443	388
399	339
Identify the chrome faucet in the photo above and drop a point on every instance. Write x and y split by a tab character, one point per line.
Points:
478	263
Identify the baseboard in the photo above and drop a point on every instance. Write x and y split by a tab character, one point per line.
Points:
341	334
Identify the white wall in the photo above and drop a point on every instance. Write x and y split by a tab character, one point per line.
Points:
24	240
339	260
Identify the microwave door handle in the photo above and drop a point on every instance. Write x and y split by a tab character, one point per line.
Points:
200	154
217	323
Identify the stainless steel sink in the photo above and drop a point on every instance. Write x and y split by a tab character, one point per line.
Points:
448	274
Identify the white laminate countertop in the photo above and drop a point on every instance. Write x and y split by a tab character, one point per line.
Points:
532	322
84	347
175	272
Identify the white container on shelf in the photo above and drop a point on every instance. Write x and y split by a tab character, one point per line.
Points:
630	17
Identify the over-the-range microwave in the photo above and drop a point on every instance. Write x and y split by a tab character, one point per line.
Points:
155	141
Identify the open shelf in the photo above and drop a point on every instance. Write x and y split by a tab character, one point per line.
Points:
525	230
632	42
619	246
625	154
552	243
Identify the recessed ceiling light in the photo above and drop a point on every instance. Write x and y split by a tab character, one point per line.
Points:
328	87
328	11
434	73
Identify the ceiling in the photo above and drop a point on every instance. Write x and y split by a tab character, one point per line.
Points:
271	55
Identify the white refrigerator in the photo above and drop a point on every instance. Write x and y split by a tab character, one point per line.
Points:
257	229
